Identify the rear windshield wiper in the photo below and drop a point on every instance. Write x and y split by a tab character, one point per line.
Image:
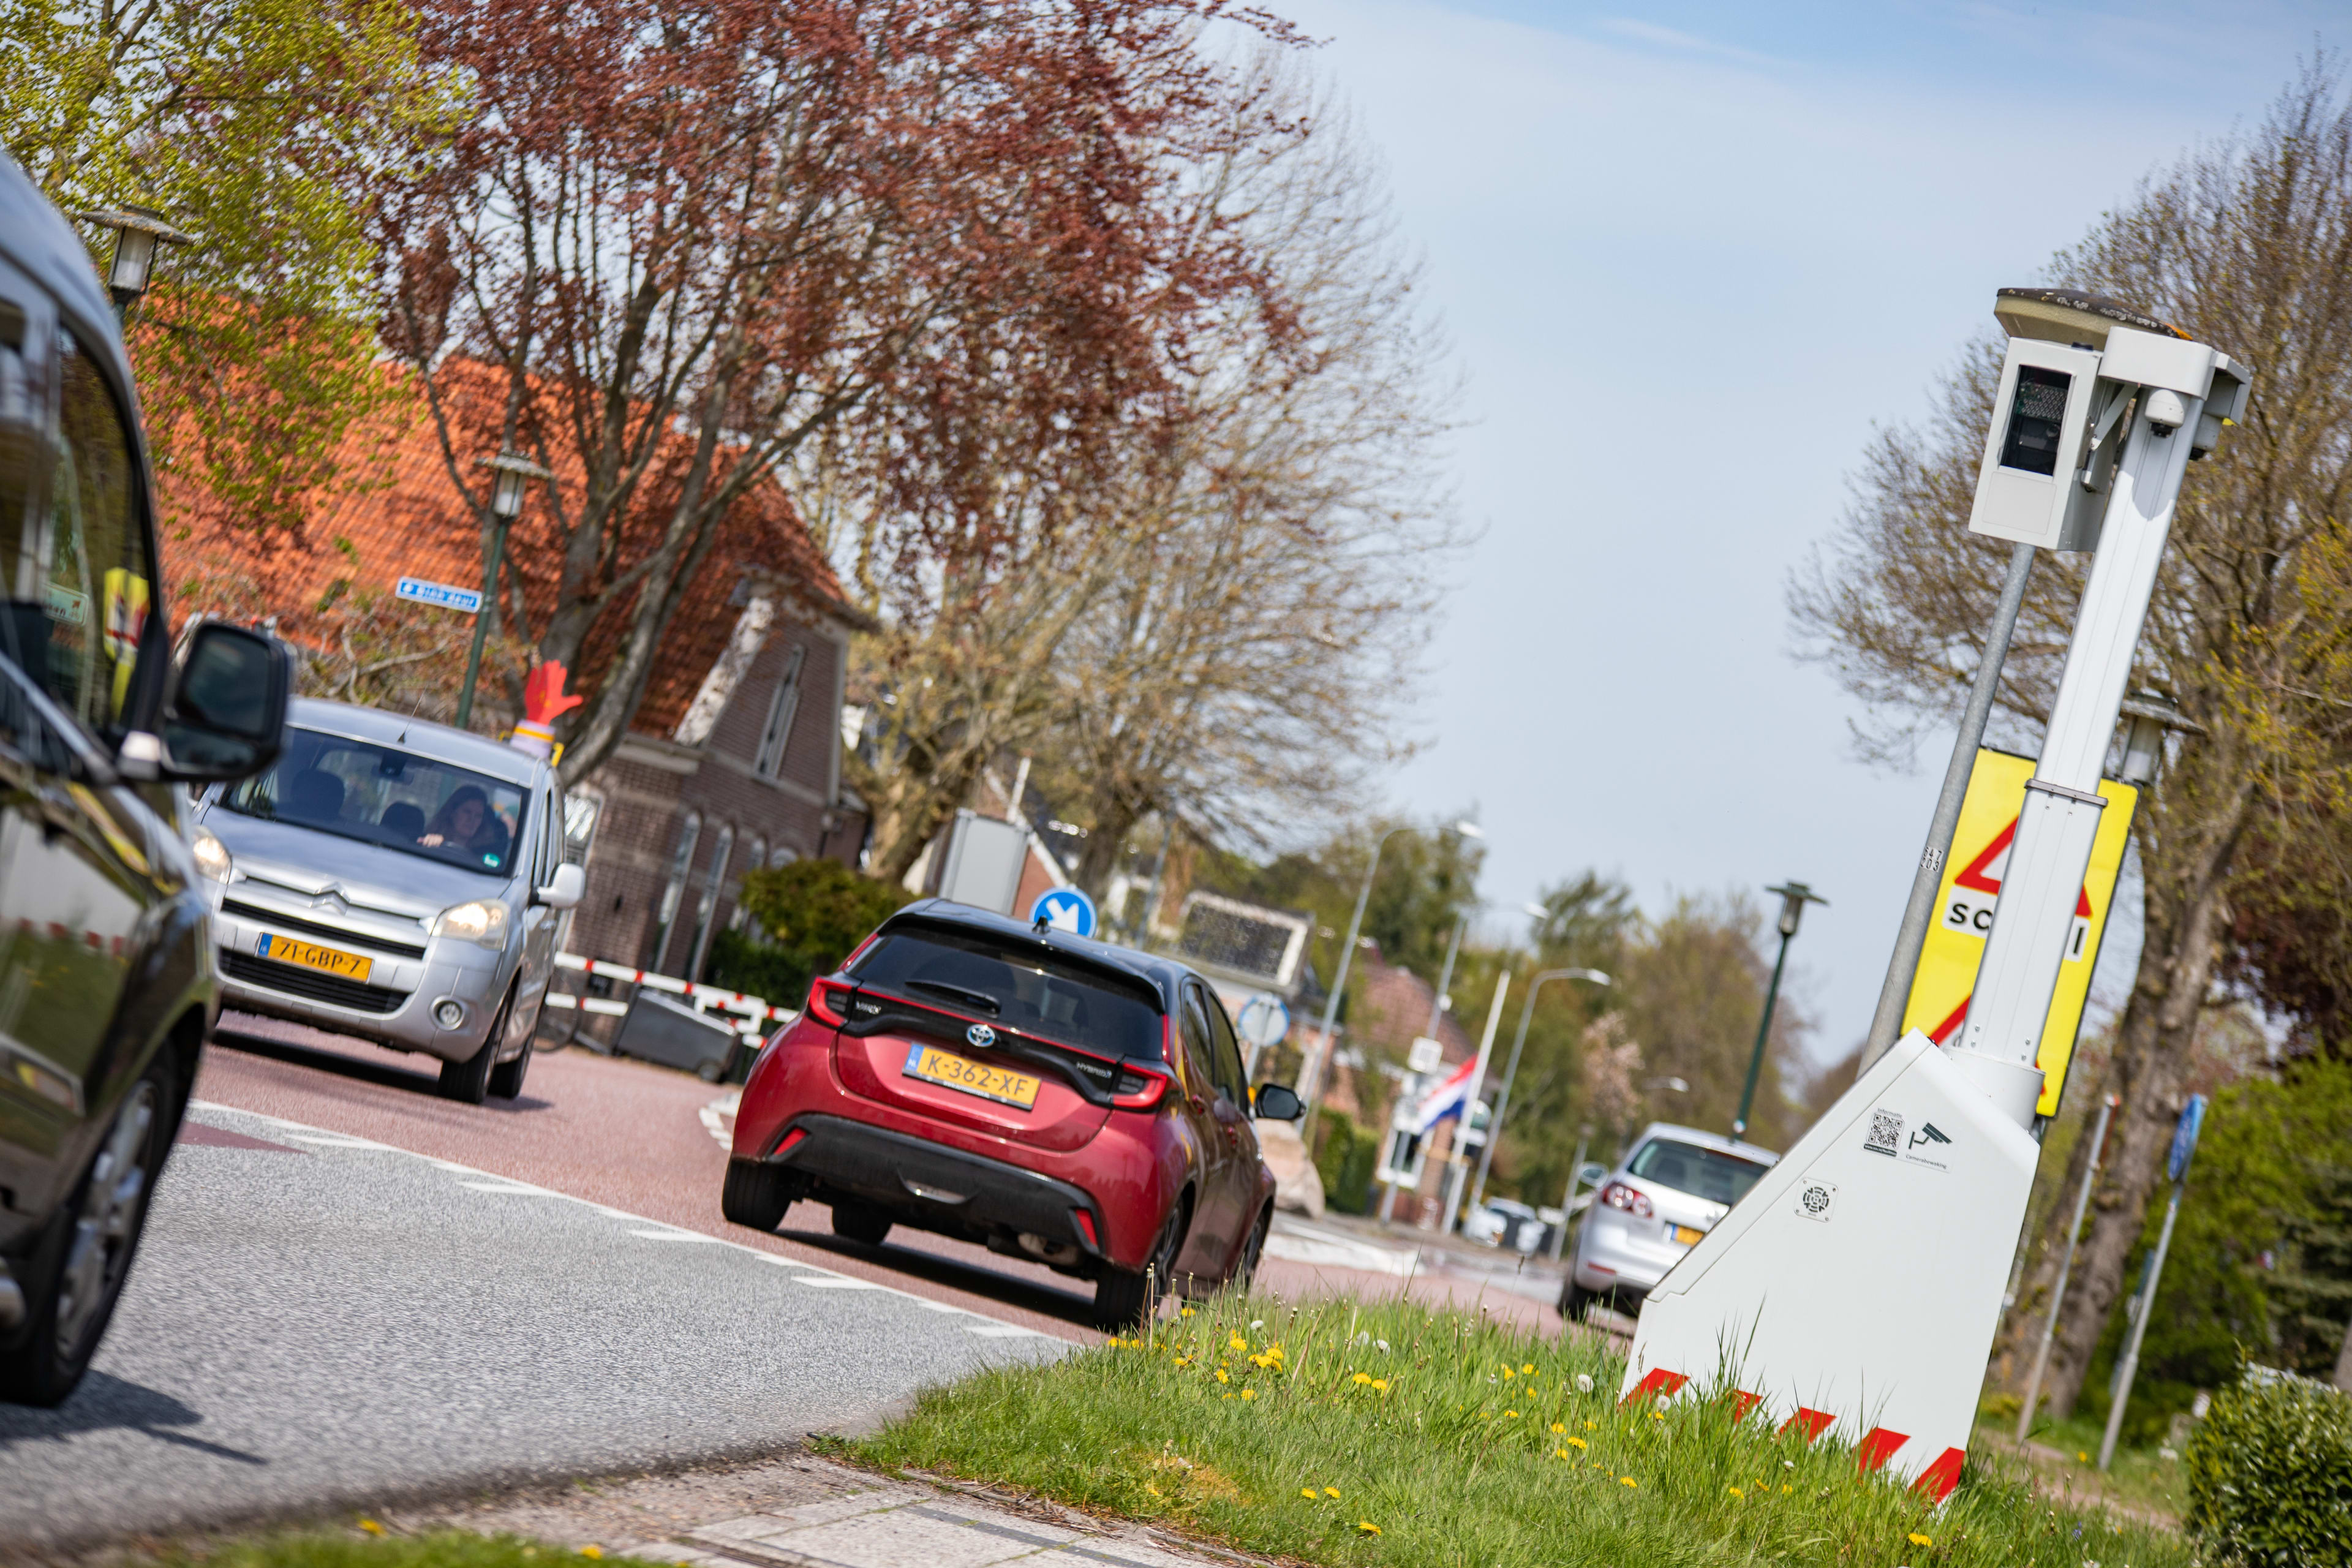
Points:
979	1000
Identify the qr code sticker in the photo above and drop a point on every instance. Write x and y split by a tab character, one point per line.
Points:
1885	1134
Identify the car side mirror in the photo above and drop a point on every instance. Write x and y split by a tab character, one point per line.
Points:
225	712
571	884
1278	1102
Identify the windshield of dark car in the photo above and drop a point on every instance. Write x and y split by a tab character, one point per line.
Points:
1016	985
1708	1174
380	794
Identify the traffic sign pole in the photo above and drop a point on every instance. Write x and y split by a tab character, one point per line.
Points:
2184	1146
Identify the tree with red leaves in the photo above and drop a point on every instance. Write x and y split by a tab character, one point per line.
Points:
675	244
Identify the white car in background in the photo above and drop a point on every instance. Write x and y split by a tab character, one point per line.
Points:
1674	1187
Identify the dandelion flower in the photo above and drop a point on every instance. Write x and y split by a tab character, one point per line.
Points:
1559	1453
1629	1481
1382	1345
1919	1540
1508	1372
1576	1442
1380	1385
1361	1377
2081	1458
371	1527
1222	1377
1530	1369
1184	1312
1583	1382
1237	1342
1591	1426
1785	1490
1249	1394
1368	1527
1735	1492
592	1551
1559	1425
1309	1493
1331	1492
1256	1323
1510	1416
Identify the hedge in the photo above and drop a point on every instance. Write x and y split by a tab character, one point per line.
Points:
2270	1473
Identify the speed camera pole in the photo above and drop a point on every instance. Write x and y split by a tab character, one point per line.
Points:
2097	413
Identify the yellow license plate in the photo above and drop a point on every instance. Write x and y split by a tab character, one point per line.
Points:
310	956
936	1066
1688	1234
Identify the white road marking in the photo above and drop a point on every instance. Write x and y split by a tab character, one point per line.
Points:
811	1274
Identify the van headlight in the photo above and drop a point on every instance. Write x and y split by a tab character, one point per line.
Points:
478	921
212	855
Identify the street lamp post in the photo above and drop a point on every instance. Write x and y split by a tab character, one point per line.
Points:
1794	897
511	473
137	232
1310	1078
1511	1071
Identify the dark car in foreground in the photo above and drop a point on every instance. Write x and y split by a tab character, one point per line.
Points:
1051	1098
107	984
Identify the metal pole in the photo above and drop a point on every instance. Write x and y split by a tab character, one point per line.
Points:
1470	1102
481	623
2065	1269
1763	1032
1511	1071
2139	1331
1445	975
1310	1077
1911	937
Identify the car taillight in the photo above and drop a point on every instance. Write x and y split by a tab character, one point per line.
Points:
1137	1088
1618	1195
829	1002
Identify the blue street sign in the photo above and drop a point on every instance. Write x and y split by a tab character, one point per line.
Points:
444	596
2184	1136
1064	908
1263	1021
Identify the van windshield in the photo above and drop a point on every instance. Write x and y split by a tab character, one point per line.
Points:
1708	1174
377	794
1022	987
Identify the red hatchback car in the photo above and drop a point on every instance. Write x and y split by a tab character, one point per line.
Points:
1052	1098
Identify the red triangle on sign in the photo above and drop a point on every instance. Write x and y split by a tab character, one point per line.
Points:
1973	876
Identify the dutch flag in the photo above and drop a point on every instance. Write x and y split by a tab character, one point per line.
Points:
1444	1102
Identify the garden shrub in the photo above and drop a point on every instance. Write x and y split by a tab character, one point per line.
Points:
2270	1473
1344	1159
777	975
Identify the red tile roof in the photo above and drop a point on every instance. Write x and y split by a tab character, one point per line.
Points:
403	518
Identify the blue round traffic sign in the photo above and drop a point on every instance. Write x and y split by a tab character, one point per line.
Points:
1064	908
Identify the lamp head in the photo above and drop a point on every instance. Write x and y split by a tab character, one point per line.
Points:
1794	897
512	474
137	232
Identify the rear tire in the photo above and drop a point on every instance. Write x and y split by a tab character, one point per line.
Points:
757	1195
1125	1300
1574	1301
855	1222
81	1262
1246	1269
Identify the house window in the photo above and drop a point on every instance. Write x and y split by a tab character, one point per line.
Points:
739	918
712	880
777	733
681	862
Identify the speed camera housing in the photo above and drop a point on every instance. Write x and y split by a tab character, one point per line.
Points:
2033	452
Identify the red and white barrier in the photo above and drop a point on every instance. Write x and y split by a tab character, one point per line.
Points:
757	1013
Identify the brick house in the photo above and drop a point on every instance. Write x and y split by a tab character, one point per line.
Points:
734	759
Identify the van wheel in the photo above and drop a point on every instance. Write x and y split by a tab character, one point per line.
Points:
469	1082
855	1222
1575	1300
80	1264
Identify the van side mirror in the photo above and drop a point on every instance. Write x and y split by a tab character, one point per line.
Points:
1278	1102
225	712
569	885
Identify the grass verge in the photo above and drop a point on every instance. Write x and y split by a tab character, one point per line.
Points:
1350	1434
374	1548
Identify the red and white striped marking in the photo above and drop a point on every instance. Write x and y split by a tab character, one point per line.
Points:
1877	1445
756	1011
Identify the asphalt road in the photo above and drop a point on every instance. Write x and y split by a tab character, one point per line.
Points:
318	1319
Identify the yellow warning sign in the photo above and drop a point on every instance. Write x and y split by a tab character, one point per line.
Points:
1964	906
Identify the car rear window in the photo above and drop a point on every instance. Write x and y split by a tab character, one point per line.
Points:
1708	1174
1024	988
380	794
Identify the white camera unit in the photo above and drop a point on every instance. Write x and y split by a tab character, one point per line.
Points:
2077	365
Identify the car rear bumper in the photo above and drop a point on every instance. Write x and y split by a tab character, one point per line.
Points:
1611	1256
932	1186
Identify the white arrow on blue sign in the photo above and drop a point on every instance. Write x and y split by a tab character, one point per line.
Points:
1064	908
465	601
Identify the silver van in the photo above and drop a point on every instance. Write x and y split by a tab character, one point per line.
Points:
395	879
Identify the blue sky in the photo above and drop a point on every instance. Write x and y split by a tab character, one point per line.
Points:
1689	254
